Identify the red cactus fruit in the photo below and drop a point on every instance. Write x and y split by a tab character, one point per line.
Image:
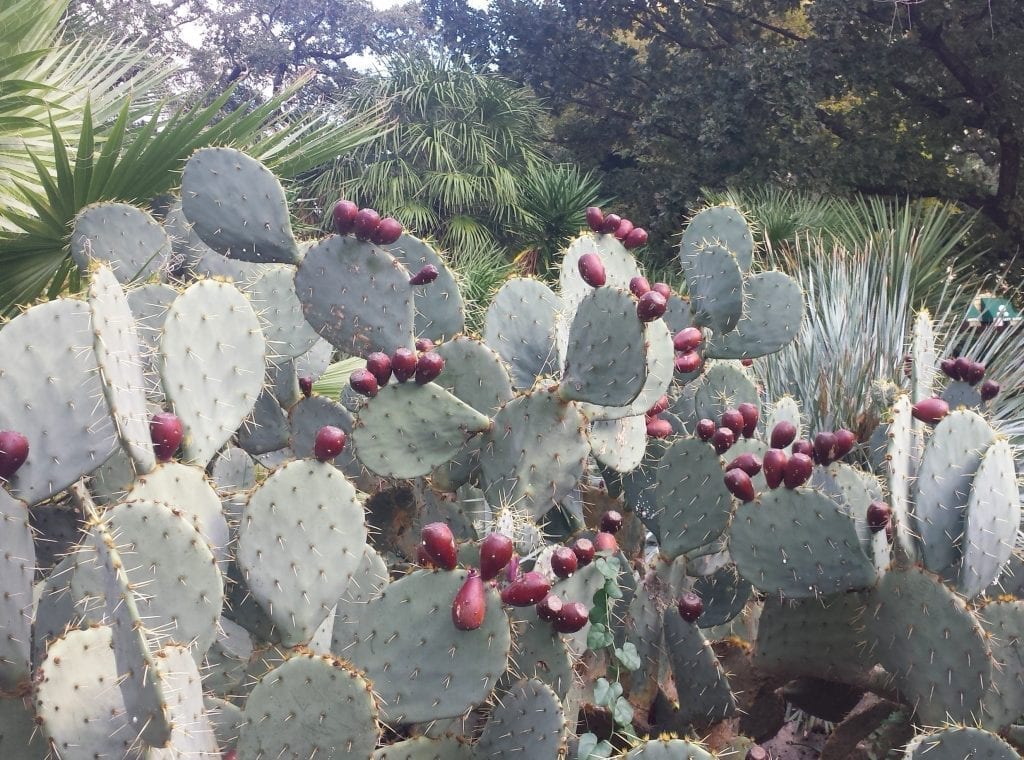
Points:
747	462
663	289
365	223
798	470
424	344
690	607
439	543
825	444
651	306
658	427
595	218
878	516
625	227
733	419
344	214
363	382
470	604
330	441
636	238
975	373
687	339
605	542
845	441
592	270
930	410
774	466
495	553
687	362
584	550
611	223
526	591
751	414
425	276
639	285
706	429
611	521
306	385
403	364
723	439
165	429
739	484
387	232
989	390
549	607
783	434
572	617
379	365
429	366
14	449
659	406
563	561
805	447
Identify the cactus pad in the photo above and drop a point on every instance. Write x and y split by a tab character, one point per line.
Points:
959	743
125	237
285	328
694	504
619	266
521	325
527	722
17	567
619	444
772	313
715	284
723	386
668	749
724	225
440	313
426	748
1004	622
704	693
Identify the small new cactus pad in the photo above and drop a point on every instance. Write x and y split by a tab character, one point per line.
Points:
310	706
619	266
124	237
724	225
17	568
959	743
534	453
705	697
773	309
117	352
528	721
211	363
407	430
725	385
423	668
668	749
285	329
715	284
798	543
304	509
440	313
237	207
51	392
521	325
694	503
899	467
356	295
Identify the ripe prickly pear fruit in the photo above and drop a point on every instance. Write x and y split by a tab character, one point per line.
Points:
563	561
751	414
429	366
379	364
306	385
805	447
611	521
845	441
422	558
636	238
363	382
687	362
747	362
732	419
975	373
365	223
344	216
611	224
439	544
470	604
387	232
658	427
659	406
878	516
592	270
572	617
425	276
526	591
512	571
747	462
424	344
605	542
706	429
783	434
166	431
584	550
495	553
403	364
723	439
774	466
962	367
690	607
757	752
595	218
14	450
930	410
549	607
651	306
825	444
797	471
663	289
625	227
639	285
739	484
948	367
989	390
330	441
687	339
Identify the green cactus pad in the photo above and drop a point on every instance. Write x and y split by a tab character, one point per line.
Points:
368	582
619	267
192	732
786	409
17	568
539	652
19	736
715	285
117	353
149	305
725	593
606	354
78	705
310	706
440	313
723	386
55	607
267	427
233	470
407	430
619	444
959	743
992	520
924	360
237	207
958	394
521	325
285	328
426	748
196	260
798	543
772	313
1004	702
924	635
300	540
126	238
668	749
226	660
951	457
528	721
704	693
694	503
226	718
422	667
724	225
639	487
53	395
534	454
819	638
899	468
356	295
305	420
211	362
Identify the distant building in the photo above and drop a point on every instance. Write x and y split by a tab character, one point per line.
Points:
989	311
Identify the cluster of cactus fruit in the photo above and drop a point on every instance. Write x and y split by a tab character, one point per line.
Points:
205	557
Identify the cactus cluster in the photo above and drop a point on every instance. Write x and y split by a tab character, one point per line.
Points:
443	568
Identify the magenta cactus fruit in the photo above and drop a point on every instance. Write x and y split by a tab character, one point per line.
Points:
595	218
690	607
845	441
930	410
403	364
989	390
625	227
439	544
687	339
975	373
757	752
805	447
363	382
496	552
739	484
329	442
948	367
306	385
825	445
365	223
706	429
424	344
733	419
344	214
774	466
605	542
563	561
961	368
611	521
658	427
636	238
526	590
751	414
797	471
166	432
748	462
611	223
387	232
572	617
14	450
425	276
584	550
723	439
651	306
783	434
429	366
878	516
470	604
663	289
659	406
379	364
549	607
592	270
639	285
687	362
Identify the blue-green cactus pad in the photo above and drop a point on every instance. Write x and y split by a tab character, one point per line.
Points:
724	225
668	749
427	748
703	689
521	325
725	593
305	420
539	652
694	504
20	737
959	743
125	237
17	568
899	467
285	328
723	386
619	267
715	284
149	305
1004	702
440	313
772	313
267	427
528	721
619	444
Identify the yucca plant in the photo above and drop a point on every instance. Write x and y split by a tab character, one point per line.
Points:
779	215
